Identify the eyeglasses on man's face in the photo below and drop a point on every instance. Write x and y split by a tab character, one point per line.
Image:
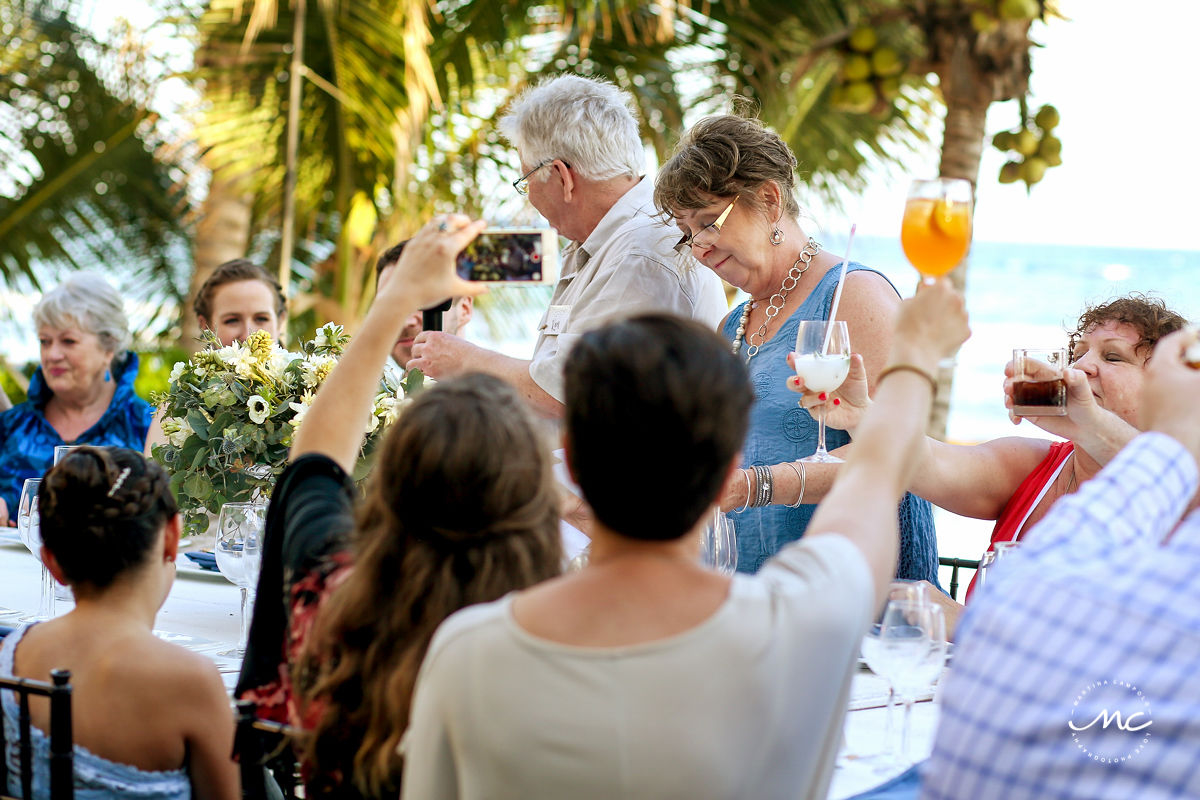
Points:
708	235
521	184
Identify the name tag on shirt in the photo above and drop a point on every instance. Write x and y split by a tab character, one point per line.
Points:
556	320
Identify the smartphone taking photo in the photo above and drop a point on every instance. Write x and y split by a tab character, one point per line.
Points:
516	255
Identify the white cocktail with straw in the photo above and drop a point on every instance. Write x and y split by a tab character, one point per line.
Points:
822	371
822	357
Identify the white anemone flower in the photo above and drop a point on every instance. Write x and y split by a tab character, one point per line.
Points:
259	409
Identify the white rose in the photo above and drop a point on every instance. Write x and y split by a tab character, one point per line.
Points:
177	430
278	364
177	371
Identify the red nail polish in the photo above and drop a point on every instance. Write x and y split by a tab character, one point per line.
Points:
821	396
837	402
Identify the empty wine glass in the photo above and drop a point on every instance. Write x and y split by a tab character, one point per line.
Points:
718	544
822	359
60	451
990	559
891	650
238	551
29	529
925	626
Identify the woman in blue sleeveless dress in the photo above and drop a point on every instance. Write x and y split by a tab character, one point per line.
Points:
730	186
151	720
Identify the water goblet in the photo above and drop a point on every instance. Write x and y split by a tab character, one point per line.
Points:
718	544
990	559
889	652
238	551
924	624
30	533
61	450
822	359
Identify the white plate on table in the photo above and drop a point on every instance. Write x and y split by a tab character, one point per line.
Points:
9	536
186	568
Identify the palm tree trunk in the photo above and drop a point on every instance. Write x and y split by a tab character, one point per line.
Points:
222	234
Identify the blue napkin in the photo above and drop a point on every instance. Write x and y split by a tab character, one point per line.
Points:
206	561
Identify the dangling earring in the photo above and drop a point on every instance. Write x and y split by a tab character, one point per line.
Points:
776	237
107	376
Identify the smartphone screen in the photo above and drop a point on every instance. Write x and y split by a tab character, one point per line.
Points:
522	255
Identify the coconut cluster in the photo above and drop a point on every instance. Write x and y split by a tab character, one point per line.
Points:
991	13
869	79
1036	148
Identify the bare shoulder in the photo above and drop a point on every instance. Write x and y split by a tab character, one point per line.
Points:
868	289
158	667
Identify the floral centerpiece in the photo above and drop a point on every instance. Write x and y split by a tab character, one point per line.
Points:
231	412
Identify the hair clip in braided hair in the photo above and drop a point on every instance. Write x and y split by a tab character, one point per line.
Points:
118	482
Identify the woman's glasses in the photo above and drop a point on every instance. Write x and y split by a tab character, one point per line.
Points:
708	235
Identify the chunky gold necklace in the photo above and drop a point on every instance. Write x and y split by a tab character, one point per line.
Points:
807	254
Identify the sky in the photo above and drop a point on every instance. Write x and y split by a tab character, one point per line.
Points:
1120	74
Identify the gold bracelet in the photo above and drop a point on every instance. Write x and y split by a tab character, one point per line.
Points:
913	368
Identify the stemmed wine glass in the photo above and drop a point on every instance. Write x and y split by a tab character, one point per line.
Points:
61	451
936	230
238	549
900	648
718	545
822	359
62	592
924	626
30	530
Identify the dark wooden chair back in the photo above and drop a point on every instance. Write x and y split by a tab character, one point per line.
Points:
62	753
261	748
955	565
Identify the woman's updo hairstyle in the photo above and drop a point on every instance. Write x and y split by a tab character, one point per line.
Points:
101	510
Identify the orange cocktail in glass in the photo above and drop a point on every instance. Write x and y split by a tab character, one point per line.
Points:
936	230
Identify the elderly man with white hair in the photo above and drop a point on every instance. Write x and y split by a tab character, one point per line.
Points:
583	169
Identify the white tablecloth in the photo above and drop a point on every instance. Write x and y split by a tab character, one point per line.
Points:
202	610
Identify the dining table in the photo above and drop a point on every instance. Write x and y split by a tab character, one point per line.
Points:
202	612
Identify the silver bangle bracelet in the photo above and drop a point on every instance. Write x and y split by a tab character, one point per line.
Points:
802	475
749	497
765	485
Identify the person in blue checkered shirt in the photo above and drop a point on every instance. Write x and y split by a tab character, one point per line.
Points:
1076	672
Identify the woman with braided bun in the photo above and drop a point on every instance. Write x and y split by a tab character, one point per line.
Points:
460	509
151	720
730	187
